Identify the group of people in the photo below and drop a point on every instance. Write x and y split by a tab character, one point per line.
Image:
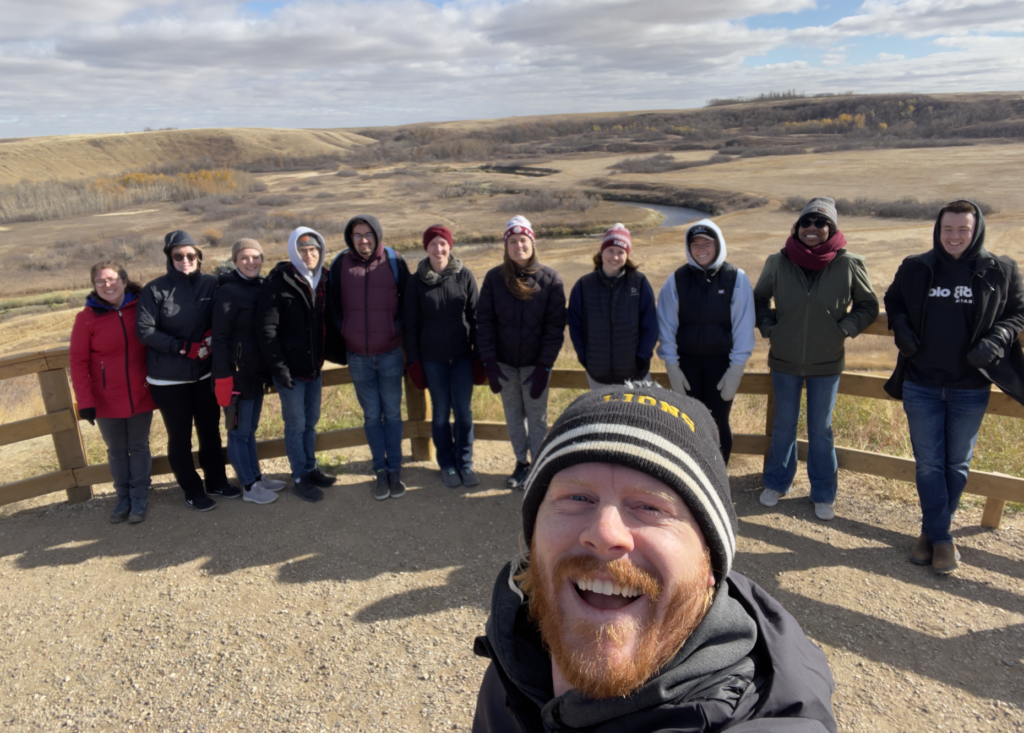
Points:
189	343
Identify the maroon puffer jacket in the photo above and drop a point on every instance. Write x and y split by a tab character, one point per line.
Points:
108	363
371	321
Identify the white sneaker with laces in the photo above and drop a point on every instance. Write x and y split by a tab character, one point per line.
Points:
769	497
824	512
259	494
271	484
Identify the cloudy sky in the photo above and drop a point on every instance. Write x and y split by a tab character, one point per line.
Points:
78	66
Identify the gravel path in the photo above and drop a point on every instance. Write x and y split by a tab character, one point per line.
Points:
356	615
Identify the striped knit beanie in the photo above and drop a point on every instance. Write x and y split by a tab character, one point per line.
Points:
648	428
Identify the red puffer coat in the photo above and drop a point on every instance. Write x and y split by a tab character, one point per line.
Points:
108	364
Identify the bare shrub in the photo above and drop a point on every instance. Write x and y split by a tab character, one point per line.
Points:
324	195
274	163
907	207
545	200
659	163
275	200
346	173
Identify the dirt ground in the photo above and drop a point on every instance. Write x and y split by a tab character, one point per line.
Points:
357	615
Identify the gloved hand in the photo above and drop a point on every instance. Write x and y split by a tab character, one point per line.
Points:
284	380
194	350
207	346
88	414
643	366
677	379
906	340
223	388
479	373
538	381
984	353
494	375
730	382
416	375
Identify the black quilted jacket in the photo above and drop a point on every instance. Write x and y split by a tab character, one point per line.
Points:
521	332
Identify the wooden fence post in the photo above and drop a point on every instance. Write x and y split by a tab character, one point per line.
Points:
419	411
993	514
57	396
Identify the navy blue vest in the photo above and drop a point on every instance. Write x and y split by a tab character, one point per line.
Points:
705	312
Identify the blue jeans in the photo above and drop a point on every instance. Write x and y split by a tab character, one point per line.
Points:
242	440
300	408
944	426
822	467
378	383
451	390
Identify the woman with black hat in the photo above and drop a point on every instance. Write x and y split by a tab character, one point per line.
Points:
174	318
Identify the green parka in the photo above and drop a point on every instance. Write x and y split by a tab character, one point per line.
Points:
811	320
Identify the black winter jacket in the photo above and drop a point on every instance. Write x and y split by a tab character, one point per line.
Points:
175	309
440	313
772	679
998	292
290	324
517	332
236	352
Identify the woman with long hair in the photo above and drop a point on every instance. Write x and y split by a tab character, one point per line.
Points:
175	315
439	321
822	296
108	373
520	330
613	322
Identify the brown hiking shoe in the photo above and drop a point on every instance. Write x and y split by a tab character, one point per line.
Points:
945	559
921	552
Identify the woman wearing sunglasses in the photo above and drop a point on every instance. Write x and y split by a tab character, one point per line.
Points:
175	314
814	282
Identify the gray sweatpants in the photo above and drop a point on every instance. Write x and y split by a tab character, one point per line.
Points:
526	418
131	463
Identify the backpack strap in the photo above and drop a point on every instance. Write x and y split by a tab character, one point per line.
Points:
393	261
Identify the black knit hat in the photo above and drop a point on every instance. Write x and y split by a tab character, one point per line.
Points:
650	429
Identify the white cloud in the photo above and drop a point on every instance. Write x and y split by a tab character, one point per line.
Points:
890	56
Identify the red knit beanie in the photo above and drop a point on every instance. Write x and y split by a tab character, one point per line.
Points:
437	231
617	236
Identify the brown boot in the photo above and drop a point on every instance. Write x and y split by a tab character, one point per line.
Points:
921	552
945	559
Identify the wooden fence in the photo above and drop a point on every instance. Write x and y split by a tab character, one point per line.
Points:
76	476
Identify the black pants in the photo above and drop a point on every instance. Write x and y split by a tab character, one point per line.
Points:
704	373
181	405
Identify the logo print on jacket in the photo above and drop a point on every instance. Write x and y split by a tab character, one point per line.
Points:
962	294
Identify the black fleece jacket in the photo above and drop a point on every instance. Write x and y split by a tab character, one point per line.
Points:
236	352
998	293
440	313
747	667
290	325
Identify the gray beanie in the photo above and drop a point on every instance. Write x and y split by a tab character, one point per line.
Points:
245	243
826	207
650	429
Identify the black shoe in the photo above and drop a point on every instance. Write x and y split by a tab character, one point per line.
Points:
321	479
201	502
121	511
382	489
227	491
469	477
518	477
396	488
305	490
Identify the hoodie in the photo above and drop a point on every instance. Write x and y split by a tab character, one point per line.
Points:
747	660
951	304
175	310
365	295
741	302
312	276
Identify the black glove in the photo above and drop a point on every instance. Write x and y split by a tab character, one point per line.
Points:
906	340
87	413
494	375
642	367
284	380
538	381
984	353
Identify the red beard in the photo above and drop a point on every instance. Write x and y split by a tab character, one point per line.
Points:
583	664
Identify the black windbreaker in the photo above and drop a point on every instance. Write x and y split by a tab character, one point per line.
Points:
771	678
236	352
290	324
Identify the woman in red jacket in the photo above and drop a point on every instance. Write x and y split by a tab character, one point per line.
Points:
108	372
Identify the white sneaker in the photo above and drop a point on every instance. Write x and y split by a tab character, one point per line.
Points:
258	494
271	484
824	512
770	497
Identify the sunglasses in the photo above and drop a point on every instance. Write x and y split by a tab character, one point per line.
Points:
178	257
815	221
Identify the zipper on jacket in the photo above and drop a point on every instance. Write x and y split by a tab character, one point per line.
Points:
127	363
103	375
366	304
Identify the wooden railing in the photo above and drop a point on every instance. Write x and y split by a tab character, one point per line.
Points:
76	476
